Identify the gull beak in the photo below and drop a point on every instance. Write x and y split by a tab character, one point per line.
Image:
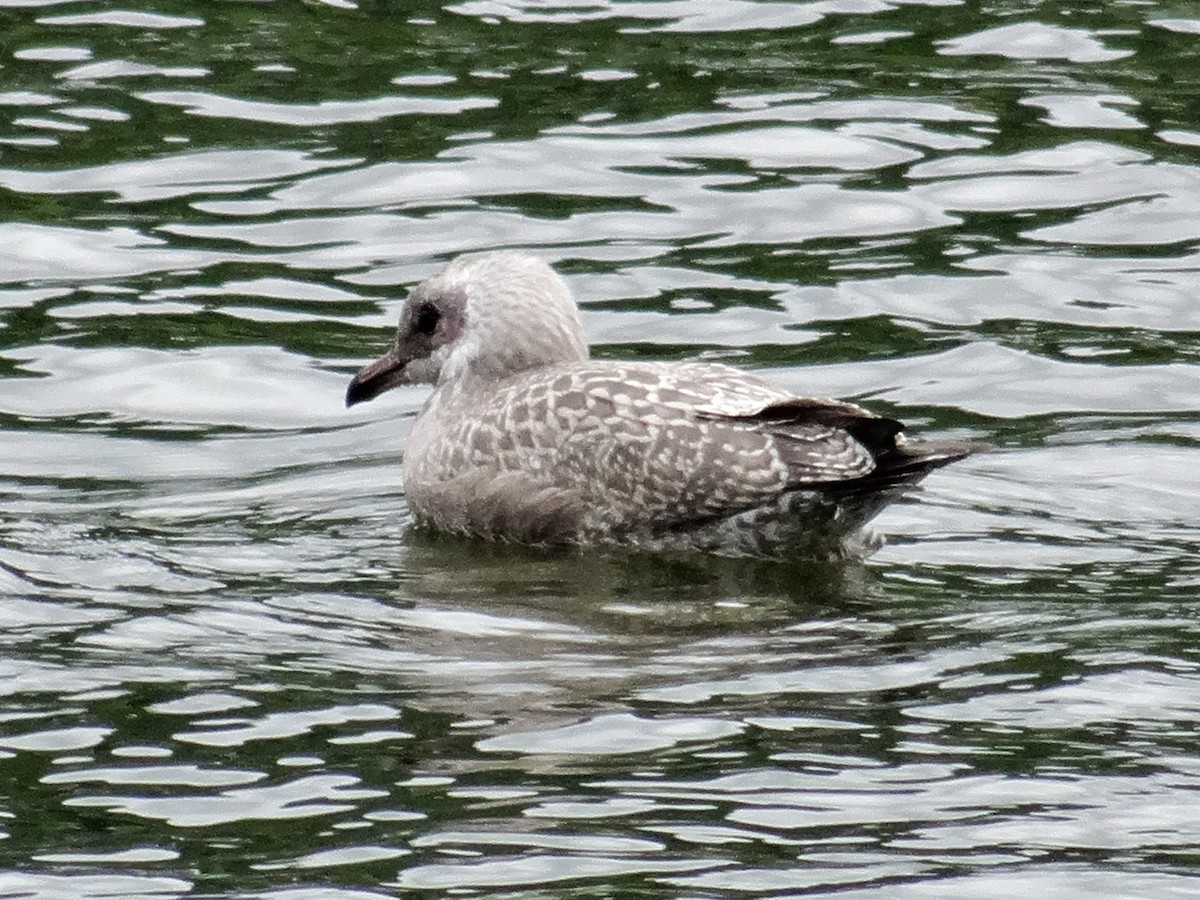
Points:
375	378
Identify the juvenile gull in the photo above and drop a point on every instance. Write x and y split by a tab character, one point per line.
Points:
527	439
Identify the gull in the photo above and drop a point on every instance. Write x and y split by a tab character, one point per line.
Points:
527	439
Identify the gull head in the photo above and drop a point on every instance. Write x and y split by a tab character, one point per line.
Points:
485	316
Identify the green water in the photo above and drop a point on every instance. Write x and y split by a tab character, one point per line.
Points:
230	668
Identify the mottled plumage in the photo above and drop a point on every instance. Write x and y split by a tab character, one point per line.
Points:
526	439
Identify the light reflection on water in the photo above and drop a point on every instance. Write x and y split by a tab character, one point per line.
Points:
231	666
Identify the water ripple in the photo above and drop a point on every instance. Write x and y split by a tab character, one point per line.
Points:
234	668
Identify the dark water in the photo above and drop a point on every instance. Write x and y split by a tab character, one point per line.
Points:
229	669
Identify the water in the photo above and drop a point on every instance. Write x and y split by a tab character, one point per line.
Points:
229	667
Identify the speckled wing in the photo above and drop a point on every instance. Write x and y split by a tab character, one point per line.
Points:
677	444
623	447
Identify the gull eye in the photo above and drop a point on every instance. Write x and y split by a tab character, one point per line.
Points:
425	320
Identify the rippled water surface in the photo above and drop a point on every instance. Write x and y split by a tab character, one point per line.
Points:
229	667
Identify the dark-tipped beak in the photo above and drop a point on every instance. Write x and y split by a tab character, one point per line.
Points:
375	378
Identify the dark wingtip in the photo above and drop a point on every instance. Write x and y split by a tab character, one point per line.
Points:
940	453
913	461
906	464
